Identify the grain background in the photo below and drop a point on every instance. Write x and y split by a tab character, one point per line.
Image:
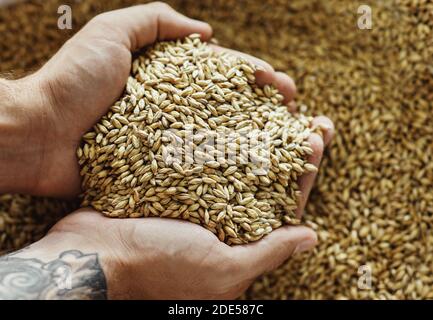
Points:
372	204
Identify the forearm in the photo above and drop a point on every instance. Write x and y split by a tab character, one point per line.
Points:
54	269
21	134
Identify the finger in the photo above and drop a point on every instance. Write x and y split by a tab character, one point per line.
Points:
292	106
327	127
284	84
142	25
306	182
271	251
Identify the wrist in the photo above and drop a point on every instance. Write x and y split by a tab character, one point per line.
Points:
69	237
23	130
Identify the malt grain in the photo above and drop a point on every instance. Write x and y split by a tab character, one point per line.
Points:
183	96
373	198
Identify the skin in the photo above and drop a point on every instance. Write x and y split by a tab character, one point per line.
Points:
46	114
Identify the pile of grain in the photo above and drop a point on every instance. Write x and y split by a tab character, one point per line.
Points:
194	138
372	204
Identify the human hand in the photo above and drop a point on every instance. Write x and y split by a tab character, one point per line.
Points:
59	103
152	258
174	272
81	81
161	258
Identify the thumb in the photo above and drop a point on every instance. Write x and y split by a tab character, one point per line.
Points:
271	251
141	25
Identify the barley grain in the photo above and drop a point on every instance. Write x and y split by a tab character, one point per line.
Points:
204	186
376	86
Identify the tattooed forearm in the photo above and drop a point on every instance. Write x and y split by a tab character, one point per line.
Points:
73	275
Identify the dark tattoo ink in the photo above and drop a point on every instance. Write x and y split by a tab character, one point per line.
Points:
73	275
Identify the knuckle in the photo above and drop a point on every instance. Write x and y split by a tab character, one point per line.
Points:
101	21
161	6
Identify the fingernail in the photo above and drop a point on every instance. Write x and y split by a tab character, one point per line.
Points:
305	245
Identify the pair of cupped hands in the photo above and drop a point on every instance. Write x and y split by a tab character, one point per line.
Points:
141	258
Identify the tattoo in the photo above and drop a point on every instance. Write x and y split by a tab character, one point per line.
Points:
73	275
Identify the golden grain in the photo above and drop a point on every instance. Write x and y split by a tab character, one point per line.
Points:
375	85
206	183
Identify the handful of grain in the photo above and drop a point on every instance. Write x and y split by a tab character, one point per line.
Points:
193	137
